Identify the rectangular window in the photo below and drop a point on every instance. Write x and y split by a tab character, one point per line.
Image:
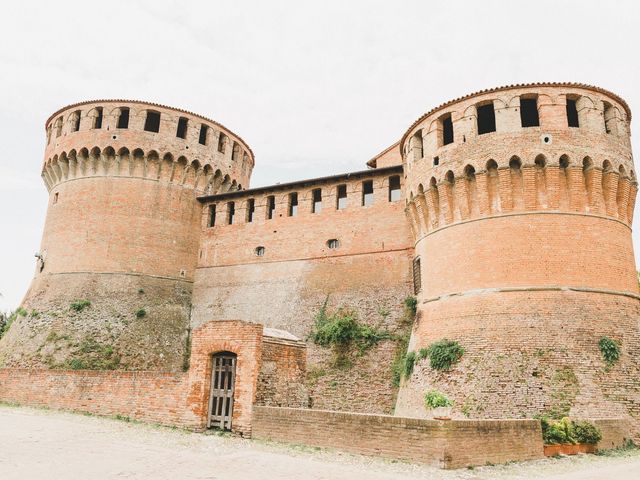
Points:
251	209
394	188
98	123
152	122
76	121
222	141
231	212
123	118
271	206
204	130
181	132
529	112
341	197
293	204
447	130
367	193
572	113
212	216
417	276
486	119
316	206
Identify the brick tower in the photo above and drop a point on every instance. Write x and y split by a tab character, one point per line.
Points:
521	200
122	232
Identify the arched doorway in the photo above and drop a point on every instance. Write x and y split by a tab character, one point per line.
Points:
223	380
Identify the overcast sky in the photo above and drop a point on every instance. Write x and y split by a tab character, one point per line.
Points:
315	88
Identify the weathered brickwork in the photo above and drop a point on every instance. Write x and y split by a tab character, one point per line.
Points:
507	213
526	258
446	444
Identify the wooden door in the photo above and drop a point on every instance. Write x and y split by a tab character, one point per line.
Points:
223	379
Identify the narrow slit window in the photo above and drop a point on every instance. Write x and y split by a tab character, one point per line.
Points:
271	206
486	118
341	197
316	206
76	121
436	161
204	130
367	193
251	209
572	113
293	204
394	188
181	132
212	216
447	130
231	212
529	112
98	122
417	276
123	118
152	122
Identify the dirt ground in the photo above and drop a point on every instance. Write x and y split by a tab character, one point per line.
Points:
43	444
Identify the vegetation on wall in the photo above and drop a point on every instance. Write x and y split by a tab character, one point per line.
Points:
342	331
403	361
568	431
442	354
610	350
435	399
92	355
79	305
6	319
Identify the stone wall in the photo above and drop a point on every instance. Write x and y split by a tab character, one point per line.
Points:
445	444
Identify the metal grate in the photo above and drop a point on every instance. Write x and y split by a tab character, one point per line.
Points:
223	379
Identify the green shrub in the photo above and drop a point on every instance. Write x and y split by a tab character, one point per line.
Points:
342	329
80	305
411	304
141	313
586	432
567	431
435	399
610	350
442	354
7	319
409	362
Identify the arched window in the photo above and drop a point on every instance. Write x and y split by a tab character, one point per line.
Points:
572	112
222	143
76	121
415	145
204	130
446	129
97	122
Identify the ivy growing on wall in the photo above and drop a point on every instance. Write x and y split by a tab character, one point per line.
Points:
610	350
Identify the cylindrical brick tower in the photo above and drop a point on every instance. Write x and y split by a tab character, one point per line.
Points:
521	200
113	283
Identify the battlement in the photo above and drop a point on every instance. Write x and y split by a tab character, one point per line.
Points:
147	140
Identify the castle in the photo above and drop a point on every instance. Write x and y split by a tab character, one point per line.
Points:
507	214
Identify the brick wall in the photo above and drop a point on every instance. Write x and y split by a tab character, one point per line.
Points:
446	444
281	381
169	398
147	396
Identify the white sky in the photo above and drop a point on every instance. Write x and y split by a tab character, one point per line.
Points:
315	88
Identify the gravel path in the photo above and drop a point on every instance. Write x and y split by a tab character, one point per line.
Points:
42	444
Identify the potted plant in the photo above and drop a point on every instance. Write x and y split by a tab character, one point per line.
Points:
438	405
566	437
